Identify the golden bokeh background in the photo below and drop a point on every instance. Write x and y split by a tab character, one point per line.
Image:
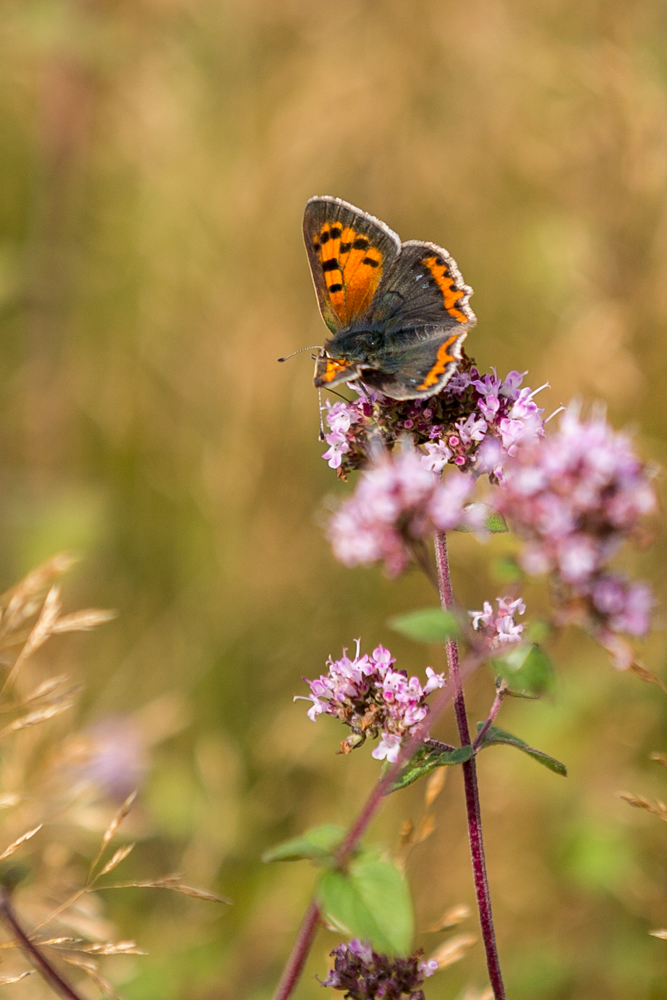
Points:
155	158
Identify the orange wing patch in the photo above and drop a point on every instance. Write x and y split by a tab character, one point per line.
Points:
352	269
450	293
333	367
440	366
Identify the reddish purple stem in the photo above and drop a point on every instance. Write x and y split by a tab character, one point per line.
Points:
470	782
495	708
299	954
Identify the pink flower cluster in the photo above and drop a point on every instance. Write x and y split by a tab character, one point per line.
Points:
372	698
500	415
472	424
499	626
575	496
396	503
341	416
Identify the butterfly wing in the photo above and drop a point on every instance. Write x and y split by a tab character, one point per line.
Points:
349	252
422	308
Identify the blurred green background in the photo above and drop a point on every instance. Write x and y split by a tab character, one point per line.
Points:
155	158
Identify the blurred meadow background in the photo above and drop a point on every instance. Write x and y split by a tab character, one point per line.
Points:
155	158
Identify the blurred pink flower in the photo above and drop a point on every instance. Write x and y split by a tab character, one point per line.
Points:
575	497
396	501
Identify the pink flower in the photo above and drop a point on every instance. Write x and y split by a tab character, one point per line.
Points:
397	501
437	457
467	413
388	748
472	429
500	627
341	416
372	698
627	606
575	497
338	446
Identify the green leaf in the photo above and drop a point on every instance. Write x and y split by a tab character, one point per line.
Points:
370	901
426	625
499	736
538	630
486	516
317	844
426	760
527	670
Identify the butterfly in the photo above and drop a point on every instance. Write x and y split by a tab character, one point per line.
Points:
398	312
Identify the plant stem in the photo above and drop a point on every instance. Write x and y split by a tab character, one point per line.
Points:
470	781
501	691
299	954
41	963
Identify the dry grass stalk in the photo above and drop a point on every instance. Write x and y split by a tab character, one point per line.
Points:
112	948
91	968
23	600
453	950
454	916
111	830
83	621
7	853
40	633
472	993
9	799
434	786
405	836
639	802
41	715
29	614
8	980
644	674
173	882
416	833
425	828
43	690
116	859
659	934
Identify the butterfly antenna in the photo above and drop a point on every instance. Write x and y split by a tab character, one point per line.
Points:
315	347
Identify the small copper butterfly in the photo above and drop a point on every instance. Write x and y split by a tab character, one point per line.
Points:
398	312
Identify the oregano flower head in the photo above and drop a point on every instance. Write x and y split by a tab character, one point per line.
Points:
574	497
472	424
365	975
372	698
499	627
